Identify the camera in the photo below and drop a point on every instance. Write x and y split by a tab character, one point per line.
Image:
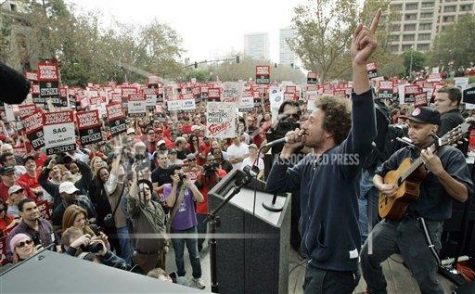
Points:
93	247
210	168
62	158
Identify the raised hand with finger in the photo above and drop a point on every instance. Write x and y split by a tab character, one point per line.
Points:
364	41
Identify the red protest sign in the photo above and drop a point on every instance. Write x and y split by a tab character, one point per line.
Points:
291	89
385	85
26	110
214	93
289	96
312	77
45	209
420	99
47	72
33	122
372	70
31	76
127	91
33	125
88	119
262	74
412	89
114	111
58	117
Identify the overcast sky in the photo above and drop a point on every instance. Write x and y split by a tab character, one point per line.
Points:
209	28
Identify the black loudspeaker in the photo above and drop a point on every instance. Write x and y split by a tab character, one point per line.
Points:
252	254
51	272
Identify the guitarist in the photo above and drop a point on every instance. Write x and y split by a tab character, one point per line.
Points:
447	178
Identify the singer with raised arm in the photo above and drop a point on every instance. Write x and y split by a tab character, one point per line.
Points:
328	178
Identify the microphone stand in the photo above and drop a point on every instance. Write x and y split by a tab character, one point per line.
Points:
215	222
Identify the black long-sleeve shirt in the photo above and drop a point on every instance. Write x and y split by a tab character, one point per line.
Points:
329	191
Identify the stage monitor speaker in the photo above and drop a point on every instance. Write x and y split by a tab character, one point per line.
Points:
51	272
255	258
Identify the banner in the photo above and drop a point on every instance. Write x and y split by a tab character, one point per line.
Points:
221	122
33	125
262	74
59	132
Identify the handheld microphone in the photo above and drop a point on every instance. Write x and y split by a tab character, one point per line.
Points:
276	142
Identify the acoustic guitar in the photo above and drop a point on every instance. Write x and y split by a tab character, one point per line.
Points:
408	177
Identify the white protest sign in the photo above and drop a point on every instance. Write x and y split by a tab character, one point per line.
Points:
59	132
221	122
276	97
461	82
174	105
232	91
9	114
311	98
246	103
188	104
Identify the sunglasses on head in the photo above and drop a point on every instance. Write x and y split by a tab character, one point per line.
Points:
24	243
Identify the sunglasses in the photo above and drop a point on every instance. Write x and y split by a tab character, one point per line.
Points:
24	243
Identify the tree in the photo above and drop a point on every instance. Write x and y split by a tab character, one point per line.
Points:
201	75
323	33
246	69
414	60
86	53
455	43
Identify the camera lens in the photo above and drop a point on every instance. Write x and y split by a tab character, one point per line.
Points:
95	247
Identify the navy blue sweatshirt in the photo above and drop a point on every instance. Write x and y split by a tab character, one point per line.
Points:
329	191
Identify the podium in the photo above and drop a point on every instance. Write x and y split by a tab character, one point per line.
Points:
252	249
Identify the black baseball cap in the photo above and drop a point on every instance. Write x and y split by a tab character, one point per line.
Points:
5	170
424	115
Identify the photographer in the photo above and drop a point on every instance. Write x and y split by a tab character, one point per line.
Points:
75	242
206	181
288	119
181	196
148	217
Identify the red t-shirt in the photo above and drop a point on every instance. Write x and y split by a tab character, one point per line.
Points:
186	129
4	222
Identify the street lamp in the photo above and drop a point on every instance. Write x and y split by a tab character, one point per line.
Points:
410	66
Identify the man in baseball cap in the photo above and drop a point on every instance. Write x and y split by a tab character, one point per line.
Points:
424	115
16	194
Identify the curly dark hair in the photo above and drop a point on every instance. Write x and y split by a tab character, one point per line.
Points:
337	116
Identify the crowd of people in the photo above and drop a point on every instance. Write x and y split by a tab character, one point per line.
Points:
124	202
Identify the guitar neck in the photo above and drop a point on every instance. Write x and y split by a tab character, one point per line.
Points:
415	165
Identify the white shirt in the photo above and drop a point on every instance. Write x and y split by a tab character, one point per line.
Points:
234	151
248	161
